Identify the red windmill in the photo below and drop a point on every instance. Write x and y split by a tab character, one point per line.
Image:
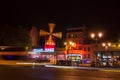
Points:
50	41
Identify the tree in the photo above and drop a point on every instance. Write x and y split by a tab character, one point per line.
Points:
14	36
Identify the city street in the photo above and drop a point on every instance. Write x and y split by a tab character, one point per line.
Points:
47	73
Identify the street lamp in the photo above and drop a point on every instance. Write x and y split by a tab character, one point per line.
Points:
106	45
69	45
96	37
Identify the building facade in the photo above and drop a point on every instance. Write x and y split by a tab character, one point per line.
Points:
34	36
81	50
107	55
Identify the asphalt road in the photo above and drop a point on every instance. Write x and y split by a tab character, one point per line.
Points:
43	73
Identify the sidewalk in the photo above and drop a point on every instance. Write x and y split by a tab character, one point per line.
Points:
21	63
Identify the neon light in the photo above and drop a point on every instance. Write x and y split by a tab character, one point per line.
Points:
37	50
49	49
74	55
46	50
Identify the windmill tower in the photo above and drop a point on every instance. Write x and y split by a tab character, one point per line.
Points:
49	42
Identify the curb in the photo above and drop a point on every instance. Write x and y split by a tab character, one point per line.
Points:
86	68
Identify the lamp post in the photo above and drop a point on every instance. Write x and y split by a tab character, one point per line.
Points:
96	37
68	46
106	46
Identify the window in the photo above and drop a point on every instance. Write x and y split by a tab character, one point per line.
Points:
75	36
88	48
72	36
88	55
116	45
84	56
80	47
79	35
84	48
80	41
68	36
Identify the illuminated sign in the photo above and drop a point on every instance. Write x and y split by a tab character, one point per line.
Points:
75	51
49	50
46	50
37	50
74	55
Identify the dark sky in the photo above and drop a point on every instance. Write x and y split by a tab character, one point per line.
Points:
95	14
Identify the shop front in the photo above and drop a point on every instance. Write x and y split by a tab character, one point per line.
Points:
108	59
40	55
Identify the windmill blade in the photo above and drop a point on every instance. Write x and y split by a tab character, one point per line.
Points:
58	34
51	26
43	33
50	39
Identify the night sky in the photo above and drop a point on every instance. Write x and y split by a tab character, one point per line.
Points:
101	15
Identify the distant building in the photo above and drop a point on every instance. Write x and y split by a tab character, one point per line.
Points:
34	36
77	36
107	55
